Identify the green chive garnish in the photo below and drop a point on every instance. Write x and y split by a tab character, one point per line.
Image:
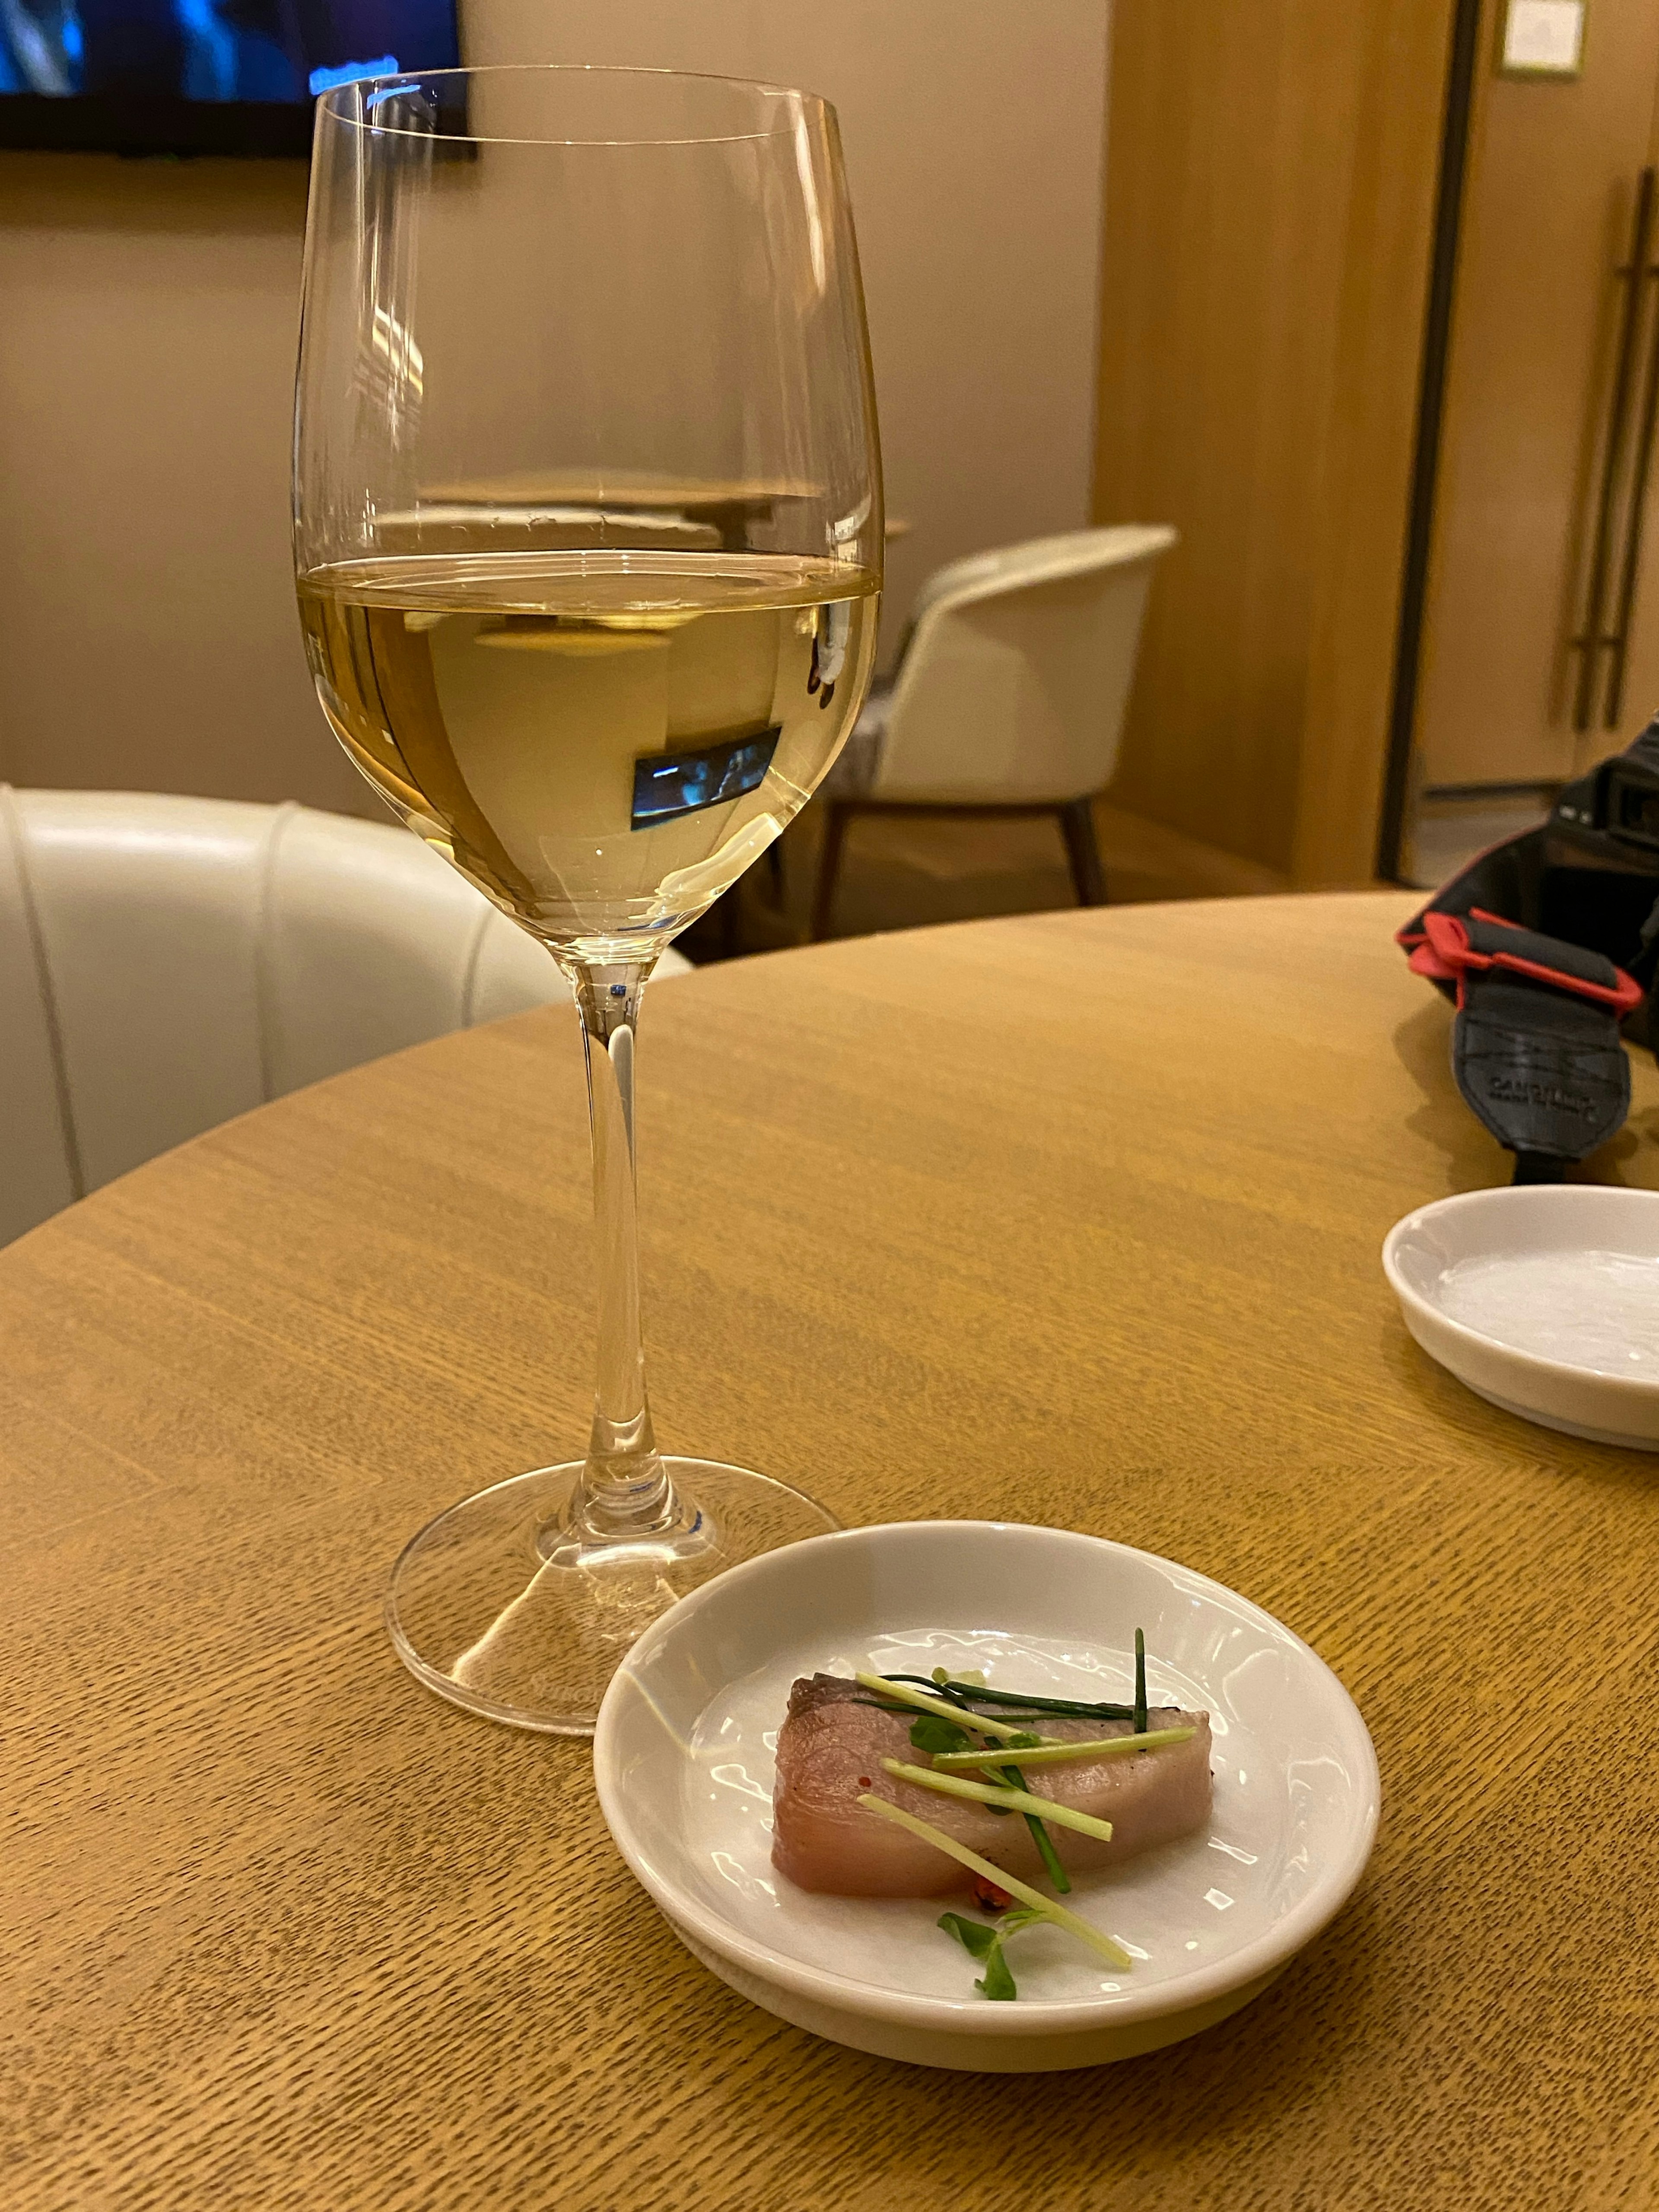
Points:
1040	1836
1016	1700
978	1721
1141	1682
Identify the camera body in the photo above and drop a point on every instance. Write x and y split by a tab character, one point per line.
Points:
1626	800
1589	876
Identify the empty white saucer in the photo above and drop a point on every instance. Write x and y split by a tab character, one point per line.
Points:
1545	1299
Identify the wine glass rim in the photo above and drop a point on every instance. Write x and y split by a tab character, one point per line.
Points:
806	102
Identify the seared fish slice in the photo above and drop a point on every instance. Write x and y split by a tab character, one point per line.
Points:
829	1754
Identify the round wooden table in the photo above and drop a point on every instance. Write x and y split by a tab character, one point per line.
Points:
1073	1218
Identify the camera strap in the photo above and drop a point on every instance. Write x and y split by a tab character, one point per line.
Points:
1535	1047
1547	944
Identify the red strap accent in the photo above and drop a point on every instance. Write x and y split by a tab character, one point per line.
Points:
1449	945
1425	960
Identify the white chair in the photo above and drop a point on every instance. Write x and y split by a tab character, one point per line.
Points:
167	963
1009	697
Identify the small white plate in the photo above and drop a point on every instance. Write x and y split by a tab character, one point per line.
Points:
1544	1298
683	1762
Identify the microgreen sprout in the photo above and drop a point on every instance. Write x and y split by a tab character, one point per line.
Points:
930	1733
985	1944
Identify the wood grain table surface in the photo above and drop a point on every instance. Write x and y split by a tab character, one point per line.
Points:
1069	1218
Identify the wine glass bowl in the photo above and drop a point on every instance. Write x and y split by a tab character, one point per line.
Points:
698	700
587	532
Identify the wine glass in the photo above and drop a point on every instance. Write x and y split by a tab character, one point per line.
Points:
588	538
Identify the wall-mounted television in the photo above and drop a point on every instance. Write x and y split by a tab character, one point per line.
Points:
199	76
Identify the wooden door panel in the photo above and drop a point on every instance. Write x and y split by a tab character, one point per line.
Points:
1545	225
1638	695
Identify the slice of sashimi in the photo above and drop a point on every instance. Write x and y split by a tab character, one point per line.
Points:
829	1752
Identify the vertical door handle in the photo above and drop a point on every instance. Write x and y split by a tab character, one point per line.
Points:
1630	565
1634	274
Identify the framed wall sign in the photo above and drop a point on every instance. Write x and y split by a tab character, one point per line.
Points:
1541	38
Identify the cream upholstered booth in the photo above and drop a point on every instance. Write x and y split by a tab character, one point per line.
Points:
1009	697
167	963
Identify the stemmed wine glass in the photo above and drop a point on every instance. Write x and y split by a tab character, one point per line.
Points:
588	538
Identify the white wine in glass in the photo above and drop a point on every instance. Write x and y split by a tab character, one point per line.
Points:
587	526
603	745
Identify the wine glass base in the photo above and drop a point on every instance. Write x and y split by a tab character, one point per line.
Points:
494	1606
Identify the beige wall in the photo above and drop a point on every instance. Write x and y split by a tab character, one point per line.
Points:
147	319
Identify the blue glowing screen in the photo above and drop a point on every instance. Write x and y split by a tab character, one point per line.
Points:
279	50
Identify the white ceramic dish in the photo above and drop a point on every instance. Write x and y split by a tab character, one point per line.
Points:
683	1758
1545	1299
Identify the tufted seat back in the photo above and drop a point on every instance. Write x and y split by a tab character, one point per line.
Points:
167	963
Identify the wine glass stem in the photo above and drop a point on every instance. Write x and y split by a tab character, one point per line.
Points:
625	1491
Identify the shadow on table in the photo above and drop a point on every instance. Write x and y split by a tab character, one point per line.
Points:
1506	1440
900	2130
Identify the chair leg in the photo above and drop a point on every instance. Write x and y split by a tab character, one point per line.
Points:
1077	825
837	815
